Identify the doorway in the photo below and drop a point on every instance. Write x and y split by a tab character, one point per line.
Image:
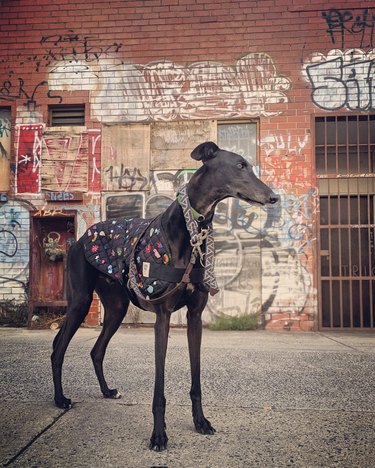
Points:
52	233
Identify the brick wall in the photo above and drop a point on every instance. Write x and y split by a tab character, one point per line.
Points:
157	61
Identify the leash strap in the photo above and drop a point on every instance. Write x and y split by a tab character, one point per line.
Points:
197	238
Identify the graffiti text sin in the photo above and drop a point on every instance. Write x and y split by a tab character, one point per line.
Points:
338	83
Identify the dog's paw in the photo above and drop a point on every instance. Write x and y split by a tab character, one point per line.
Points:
158	442
203	426
63	403
112	393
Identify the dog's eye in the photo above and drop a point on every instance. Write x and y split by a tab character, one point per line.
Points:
241	165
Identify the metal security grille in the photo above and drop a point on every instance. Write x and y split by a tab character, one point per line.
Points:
67	115
345	166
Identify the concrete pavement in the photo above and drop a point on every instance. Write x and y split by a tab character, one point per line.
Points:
275	399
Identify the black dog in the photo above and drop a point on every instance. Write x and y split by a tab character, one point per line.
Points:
223	174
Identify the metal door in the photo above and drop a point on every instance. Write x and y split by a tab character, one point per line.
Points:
345	156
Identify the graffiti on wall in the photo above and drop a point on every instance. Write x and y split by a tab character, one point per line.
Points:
14	250
94	155
165	90
57	160
12	90
124	178
284	146
342	79
126	157
70	49
28	155
282	170
351	23
65	160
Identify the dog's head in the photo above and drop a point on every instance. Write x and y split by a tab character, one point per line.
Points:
236	175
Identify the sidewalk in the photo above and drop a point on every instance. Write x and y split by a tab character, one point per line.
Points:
275	399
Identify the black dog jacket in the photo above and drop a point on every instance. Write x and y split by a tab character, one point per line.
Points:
109	245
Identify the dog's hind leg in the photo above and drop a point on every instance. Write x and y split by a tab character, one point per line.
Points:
194	332
116	302
159	439
80	286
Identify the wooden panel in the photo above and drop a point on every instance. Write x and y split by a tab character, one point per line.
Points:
5	129
130	205
126	157
65	159
172	143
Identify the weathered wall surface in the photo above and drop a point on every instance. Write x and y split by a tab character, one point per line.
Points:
158	76
14	250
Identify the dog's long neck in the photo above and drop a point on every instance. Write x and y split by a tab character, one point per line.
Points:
202	199
201	195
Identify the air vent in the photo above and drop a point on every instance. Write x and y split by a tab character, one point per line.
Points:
67	115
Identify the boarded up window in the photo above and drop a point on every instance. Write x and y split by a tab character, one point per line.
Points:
172	143
126	157
65	159
240	138
130	205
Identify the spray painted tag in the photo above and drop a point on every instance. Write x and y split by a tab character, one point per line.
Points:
145	269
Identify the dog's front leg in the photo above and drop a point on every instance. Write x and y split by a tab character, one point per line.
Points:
194	331
159	439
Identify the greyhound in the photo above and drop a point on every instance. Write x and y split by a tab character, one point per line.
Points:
223	174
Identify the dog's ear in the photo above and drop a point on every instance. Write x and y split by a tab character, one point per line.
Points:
205	151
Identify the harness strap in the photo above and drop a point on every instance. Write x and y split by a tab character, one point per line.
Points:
132	284
173	274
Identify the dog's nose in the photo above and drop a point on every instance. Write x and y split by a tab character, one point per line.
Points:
274	198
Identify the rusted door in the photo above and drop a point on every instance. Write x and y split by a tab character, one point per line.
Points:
51	236
345	157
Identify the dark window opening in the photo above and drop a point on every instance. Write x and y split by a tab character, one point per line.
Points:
66	115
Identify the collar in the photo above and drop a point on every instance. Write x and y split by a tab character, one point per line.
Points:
196	215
